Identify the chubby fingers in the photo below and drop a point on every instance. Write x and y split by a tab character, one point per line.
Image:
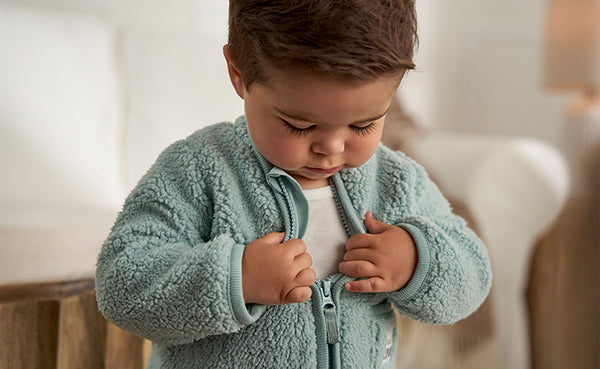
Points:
298	294
373	257
301	291
273	238
298	289
358	268
362	268
373	284
294	246
303	261
359	246
359	263
373	225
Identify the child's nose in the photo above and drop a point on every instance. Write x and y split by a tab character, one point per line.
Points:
329	145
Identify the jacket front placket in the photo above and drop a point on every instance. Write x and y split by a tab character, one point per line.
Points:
326	293
289	196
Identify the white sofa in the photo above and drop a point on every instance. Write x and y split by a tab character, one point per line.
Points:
88	100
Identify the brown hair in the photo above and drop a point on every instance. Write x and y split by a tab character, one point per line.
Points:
352	40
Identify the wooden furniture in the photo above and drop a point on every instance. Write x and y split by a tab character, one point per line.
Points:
564	288
563	293
57	325
48	313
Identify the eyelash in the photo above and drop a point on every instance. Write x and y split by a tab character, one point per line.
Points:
366	130
295	130
363	131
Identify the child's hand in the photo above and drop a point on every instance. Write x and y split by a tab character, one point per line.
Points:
276	272
386	257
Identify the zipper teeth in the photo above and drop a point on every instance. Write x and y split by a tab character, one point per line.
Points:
341	210
323	354
291	207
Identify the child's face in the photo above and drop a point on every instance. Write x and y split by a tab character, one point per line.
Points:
312	127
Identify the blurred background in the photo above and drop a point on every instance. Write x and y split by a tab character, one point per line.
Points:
116	81
92	90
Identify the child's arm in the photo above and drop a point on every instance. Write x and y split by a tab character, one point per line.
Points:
161	273
438	275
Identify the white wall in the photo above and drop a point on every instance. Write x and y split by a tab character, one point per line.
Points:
480	69
59	125
174	74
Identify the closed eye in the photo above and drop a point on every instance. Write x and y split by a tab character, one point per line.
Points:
296	131
365	130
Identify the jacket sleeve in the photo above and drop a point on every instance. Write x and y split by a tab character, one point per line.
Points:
160	273
453	274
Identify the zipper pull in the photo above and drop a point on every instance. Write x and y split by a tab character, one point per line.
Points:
333	332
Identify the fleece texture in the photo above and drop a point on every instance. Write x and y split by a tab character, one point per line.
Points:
170	270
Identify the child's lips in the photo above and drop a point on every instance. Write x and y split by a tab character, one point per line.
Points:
323	171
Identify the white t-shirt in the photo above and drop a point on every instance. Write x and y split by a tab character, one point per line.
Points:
325	236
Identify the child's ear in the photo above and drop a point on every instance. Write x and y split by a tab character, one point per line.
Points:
234	74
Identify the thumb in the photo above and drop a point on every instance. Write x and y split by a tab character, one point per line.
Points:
373	225
274	238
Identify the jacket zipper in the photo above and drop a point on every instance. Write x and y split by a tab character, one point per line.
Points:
292	231
326	287
330	314
352	223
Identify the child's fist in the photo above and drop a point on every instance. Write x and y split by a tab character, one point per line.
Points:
276	272
385	258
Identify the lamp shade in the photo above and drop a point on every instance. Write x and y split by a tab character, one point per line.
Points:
572	49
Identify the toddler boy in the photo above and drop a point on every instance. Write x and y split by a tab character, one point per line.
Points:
283	240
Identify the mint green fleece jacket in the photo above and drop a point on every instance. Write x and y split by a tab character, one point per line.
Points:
170	270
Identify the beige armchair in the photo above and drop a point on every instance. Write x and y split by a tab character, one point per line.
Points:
510	190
